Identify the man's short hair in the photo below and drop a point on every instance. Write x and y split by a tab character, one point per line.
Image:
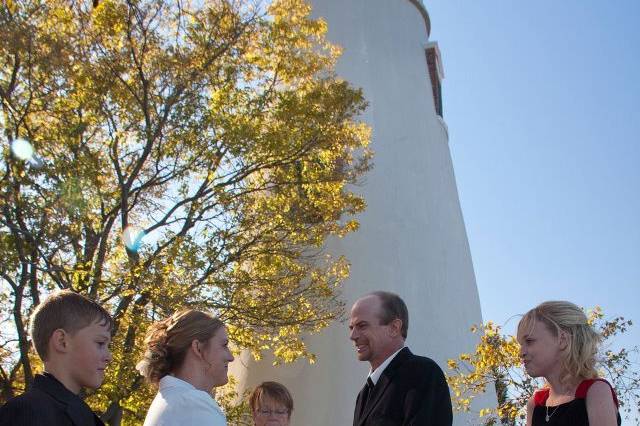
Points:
67	310
393	307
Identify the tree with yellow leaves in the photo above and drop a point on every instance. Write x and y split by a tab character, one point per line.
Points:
159	154
496	364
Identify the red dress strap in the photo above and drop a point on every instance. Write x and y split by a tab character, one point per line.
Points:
584	386
540	396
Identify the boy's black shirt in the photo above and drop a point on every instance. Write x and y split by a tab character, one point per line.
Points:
48	403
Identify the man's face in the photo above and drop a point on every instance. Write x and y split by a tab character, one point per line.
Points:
373	341
89	355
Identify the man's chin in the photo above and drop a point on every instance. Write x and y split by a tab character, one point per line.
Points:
362	356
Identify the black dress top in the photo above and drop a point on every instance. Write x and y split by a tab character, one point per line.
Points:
572	413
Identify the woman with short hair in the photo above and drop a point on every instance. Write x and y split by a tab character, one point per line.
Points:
271	405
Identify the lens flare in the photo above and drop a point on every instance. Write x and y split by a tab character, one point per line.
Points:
22	149
36	162
133	238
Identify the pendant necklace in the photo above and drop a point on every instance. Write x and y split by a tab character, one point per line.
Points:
548	416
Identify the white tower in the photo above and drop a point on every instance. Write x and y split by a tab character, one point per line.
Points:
412	238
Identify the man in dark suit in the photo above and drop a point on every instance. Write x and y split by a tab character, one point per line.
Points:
402	389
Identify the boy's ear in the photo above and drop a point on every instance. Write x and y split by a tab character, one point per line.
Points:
196	348
59	341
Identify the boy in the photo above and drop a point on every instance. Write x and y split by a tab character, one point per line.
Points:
71	334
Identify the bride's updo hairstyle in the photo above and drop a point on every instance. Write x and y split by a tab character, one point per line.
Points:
168	341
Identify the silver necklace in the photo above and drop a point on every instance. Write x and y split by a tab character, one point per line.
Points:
547	417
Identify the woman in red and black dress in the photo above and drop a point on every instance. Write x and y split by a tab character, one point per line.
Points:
557	343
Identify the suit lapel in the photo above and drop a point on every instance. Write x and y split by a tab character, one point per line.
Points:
383	382
378	391
357	416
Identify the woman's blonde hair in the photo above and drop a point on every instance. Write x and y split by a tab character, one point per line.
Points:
168	341
579	357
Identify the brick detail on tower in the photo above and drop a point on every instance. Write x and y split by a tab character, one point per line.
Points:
435	74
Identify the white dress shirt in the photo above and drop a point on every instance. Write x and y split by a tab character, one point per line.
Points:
375	374
179	403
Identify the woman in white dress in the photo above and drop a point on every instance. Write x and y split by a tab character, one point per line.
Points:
186	357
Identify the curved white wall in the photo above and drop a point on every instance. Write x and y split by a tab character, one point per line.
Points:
412	238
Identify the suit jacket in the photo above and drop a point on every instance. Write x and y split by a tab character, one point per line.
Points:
412	391
47	403
178	403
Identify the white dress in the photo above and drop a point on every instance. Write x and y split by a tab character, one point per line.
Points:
178	403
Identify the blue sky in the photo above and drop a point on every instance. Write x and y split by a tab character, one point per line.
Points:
542	103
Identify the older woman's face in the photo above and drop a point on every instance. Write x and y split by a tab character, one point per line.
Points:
270	413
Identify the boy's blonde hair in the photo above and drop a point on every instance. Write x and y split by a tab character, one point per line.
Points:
67	310
579	357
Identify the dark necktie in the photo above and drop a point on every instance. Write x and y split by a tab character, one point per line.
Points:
366	394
